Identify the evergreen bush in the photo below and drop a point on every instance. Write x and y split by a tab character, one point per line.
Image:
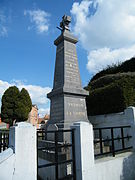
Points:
127	66
111	94
16	105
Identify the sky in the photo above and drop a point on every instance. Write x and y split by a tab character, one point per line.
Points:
105	30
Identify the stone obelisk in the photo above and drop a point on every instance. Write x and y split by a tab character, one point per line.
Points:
67	96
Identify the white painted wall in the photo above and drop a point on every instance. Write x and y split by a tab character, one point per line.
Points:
7	159
120	167
115	119
84	149
19	162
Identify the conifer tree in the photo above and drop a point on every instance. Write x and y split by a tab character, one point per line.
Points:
23	106
9	99
16	105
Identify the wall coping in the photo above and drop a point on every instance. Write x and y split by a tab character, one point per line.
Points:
6	154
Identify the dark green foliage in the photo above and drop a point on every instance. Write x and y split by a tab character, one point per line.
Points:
16	105
8	103
111	98
23	106
100	101
108	79
112	90
127	66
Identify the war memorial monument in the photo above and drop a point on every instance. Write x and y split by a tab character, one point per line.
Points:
67	96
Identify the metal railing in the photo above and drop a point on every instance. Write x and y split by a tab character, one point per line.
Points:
4	140
111	140
56	147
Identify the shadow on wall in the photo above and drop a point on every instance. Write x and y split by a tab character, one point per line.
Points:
128	168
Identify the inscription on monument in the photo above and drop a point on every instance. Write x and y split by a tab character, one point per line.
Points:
60	49
71	67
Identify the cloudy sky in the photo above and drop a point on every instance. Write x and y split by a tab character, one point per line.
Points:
105	29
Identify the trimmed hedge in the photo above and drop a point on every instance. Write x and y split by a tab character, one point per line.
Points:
112	98
112	89
108	79
127	66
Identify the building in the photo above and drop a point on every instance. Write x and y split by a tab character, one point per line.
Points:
3	125
43	121
33	115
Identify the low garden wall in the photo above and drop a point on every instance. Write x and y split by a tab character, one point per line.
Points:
19	161
116	119
120	167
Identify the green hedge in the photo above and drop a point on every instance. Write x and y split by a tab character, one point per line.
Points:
127	66
108	79
112	98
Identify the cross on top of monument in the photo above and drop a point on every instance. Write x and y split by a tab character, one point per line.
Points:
64	24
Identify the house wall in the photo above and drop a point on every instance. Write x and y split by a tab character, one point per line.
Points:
33	116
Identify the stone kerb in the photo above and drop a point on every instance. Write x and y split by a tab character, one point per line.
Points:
6	154
84	149
23	141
